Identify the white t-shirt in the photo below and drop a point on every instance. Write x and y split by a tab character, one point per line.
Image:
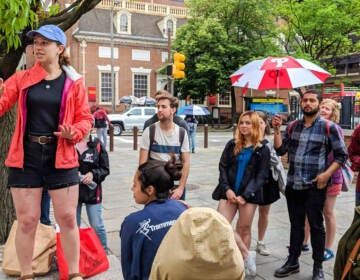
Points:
164	144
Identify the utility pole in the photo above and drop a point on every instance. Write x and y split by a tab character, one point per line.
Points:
112	79
169	79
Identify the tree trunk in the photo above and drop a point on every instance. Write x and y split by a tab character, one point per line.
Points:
7	212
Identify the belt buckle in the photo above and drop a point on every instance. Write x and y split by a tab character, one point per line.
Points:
42	142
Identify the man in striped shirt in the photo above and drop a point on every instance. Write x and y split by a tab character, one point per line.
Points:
308	142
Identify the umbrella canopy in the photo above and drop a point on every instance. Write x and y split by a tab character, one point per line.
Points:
194	110
278	73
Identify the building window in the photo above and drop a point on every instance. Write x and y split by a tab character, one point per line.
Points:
123	23
170	25
140	55
141	85
105	86
224	99
105	52
197	101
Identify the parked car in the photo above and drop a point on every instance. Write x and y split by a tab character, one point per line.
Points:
135	116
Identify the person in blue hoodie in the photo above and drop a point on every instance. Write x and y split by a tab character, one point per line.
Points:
142	232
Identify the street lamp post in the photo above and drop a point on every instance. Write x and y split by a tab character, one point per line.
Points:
113	97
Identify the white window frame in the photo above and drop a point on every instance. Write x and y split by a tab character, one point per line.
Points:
118	21
141	71
107	69
105	52
140	55
218	98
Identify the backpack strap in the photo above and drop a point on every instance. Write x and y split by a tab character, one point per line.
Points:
351	260
152	129
291	125
181	135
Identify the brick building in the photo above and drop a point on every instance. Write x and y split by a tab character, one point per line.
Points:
139	40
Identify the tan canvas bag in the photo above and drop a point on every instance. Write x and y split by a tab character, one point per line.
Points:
44	251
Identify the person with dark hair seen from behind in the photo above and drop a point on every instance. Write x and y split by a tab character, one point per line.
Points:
142	232
52	115
100	121
307	142
177	119
93	169
192	124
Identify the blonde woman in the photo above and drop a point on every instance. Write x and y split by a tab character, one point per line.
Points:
244	168
330	110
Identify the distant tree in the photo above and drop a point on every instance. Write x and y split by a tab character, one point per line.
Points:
319	29
17	17
221	36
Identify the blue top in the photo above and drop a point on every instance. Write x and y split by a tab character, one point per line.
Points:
141	234
243	160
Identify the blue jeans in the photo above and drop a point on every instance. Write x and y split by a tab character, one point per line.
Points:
95	219
102	134
192	140
45	208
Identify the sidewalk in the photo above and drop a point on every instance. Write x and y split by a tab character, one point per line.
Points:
118	203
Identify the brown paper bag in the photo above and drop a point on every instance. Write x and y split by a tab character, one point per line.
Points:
44	251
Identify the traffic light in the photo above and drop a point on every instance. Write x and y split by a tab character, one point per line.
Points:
179	66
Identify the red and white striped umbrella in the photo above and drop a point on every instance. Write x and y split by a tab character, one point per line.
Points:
278	73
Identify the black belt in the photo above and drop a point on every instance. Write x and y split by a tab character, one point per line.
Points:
42	140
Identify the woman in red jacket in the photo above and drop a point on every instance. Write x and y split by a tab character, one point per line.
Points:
52	115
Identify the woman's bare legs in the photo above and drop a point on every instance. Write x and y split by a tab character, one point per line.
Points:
27	205
243	225
263	221
65	201
228	210
330	221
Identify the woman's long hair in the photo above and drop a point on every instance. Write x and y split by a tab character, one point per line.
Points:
255	132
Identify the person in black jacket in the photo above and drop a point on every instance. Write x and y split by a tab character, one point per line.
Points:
93	169
244	169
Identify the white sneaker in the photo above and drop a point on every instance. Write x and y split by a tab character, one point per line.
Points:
261	249
250	264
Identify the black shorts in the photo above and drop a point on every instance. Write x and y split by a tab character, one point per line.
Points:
39	169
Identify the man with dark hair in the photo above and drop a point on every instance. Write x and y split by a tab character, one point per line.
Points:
308	142
177	119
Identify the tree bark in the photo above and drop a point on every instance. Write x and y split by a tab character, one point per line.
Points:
7	212
8	64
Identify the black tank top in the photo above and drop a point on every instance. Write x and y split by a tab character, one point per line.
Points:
43	106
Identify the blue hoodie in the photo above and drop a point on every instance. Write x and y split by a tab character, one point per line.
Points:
141	234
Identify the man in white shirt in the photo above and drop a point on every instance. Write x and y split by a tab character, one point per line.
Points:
163	138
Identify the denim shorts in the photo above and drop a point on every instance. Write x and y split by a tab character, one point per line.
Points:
39	169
